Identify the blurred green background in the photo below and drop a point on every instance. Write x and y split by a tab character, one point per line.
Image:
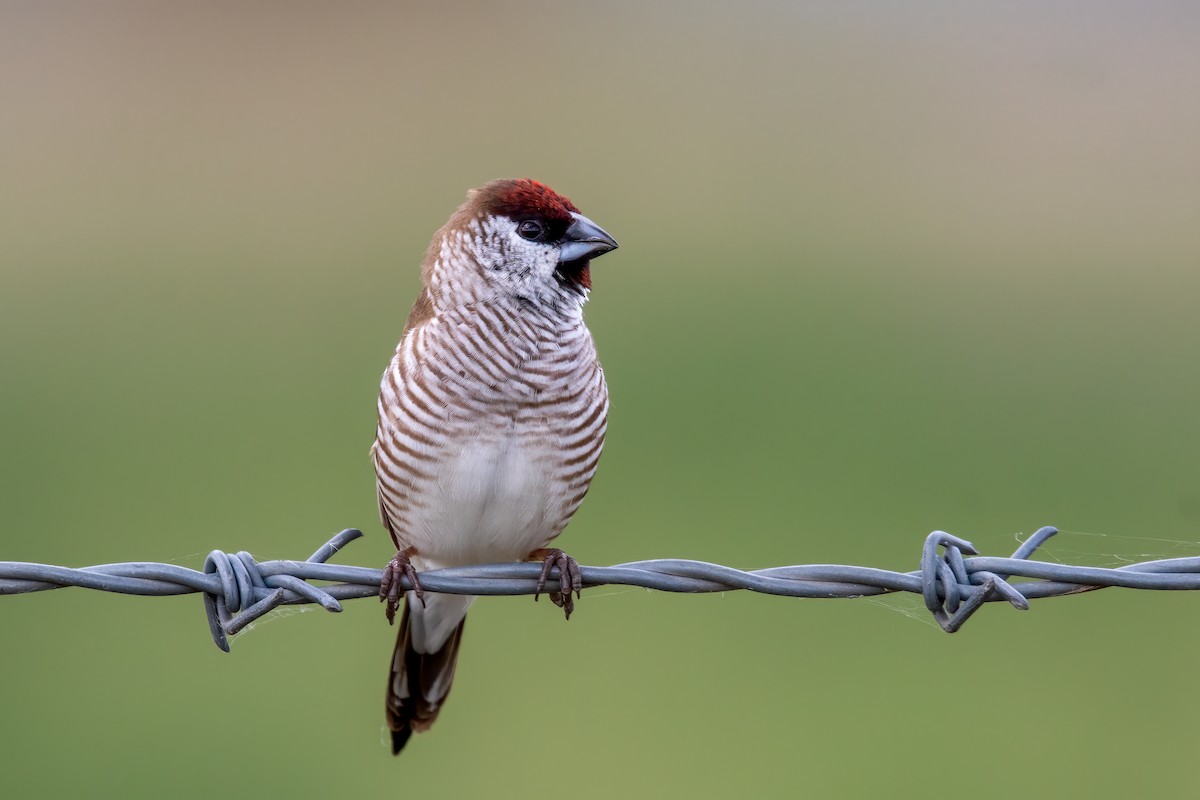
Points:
884	268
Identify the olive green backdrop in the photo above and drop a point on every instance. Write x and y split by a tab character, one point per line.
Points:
884	268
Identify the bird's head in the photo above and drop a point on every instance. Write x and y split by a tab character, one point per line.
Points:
516	238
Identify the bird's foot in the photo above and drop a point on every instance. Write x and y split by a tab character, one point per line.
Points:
391	589
570	579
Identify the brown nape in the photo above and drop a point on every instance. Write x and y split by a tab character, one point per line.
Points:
421	312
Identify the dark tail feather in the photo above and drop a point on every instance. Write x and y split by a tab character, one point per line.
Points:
419	683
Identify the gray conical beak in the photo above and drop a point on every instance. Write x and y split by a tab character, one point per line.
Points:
584	239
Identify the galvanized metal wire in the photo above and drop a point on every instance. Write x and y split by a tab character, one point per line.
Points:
953	580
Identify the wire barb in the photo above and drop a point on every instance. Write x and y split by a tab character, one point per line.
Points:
953	580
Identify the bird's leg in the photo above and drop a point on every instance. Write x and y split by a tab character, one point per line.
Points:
570	579
390	588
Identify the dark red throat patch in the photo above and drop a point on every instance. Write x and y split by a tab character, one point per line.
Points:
525	198
583	277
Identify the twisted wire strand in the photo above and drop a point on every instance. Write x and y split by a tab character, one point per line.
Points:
953	580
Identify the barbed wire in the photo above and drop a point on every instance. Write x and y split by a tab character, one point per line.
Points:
954	582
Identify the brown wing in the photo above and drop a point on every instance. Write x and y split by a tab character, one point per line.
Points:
421	312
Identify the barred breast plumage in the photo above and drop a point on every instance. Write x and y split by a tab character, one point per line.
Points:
492	413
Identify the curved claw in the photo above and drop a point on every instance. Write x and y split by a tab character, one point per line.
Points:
570	578
391	587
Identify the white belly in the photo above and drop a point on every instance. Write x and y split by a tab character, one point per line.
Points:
494	500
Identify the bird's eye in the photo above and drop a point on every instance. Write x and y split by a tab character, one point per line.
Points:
531	229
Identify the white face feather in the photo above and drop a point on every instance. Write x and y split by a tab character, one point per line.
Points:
519	262
490	260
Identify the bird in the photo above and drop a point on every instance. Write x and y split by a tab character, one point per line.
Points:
491	419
